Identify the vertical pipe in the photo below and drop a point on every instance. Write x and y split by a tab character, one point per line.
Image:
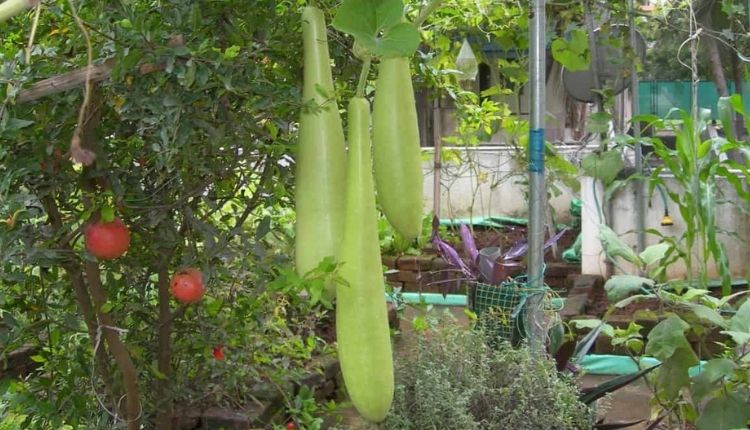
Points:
588	19
640	206
437	139
537	191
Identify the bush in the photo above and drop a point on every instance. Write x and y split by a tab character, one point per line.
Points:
454	380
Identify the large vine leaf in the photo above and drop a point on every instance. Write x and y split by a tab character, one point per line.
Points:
378	26
619	287
574	53
724	412
715	370
666	337
673	374
654	253
707	314
604	166
400	40
614	247
741	320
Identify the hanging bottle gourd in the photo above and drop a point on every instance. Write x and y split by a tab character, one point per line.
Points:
362	331
396	150
321	154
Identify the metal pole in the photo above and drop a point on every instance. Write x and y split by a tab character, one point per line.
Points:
537	191
437	138
640	204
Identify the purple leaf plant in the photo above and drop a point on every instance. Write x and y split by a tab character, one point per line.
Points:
471	270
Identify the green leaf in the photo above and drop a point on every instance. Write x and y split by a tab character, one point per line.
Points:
400	41
739	337
377	25
108	213
673	374
692	293
724	413
707	314
666	337
573	54
106	308
725	115
741	320
634	299
714	370
38	359
654	253
619	287
592	323
598	122
614	247
604	166
212	306
232	52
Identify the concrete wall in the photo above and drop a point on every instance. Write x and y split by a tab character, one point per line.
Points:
730	219
487	181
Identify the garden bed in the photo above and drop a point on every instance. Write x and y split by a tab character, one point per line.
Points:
587	300
430	273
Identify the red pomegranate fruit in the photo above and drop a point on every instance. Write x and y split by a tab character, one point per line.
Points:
107	240
187	286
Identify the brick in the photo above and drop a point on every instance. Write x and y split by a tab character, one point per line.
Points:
388	261
581	291
561	270
438	263
595	281
419	263
392	276
408	276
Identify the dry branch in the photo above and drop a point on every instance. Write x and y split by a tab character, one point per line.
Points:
64	82
77	78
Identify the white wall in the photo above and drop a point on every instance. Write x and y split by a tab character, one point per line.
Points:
491	185
485	183
729	218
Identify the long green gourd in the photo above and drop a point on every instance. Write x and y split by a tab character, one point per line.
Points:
397	156
362	331
11	8
321	157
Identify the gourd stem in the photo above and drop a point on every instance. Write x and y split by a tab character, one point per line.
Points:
363	77
424	13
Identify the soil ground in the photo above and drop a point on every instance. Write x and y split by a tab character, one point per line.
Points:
627	404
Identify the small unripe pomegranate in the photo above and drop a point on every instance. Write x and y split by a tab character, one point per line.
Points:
107	240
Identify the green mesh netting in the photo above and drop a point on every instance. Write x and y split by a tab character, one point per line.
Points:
499	308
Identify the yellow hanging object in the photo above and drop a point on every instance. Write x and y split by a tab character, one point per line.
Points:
667	220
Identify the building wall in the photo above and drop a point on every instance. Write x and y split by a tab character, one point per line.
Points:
488	181
493	183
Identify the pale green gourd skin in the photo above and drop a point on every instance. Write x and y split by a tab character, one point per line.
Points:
321	157
362	331
397	156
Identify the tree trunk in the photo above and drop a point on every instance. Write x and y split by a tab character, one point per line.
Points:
83	300
165	401
739	124
717	70
111	335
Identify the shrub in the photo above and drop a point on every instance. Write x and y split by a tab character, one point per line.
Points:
455	381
